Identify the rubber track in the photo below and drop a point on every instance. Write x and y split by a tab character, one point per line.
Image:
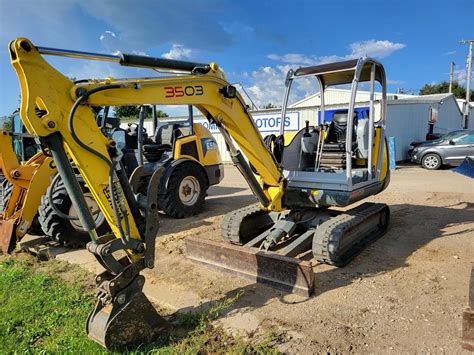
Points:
230	227
330	233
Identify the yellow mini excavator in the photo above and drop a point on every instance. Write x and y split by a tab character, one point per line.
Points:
295	182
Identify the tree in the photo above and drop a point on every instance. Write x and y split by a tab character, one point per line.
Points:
126	111
442	88
269	105
7	124
133	111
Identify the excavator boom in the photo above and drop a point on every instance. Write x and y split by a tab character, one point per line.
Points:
58	111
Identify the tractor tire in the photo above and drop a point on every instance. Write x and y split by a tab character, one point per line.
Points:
186	191
431	161
5	195
68	232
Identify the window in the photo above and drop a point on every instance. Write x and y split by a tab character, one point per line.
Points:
465	139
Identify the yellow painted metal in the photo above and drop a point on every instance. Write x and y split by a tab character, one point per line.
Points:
230	113
43	87
375	154
208	158
29	180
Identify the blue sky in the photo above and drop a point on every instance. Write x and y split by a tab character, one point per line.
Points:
255	42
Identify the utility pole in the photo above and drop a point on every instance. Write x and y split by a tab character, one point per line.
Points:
451	74
468	82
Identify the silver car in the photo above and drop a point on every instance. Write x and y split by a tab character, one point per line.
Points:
450	149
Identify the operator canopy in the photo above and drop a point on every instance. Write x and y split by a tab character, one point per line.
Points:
343	72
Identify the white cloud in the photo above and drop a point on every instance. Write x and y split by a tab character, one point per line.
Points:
94	70
267	84
370	48
293	58
373	48
107	33
178	51
111	42
394	82
449	53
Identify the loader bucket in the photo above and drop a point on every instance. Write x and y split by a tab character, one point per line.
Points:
278	271
7	239
128	321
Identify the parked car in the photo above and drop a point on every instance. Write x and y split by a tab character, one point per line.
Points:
450	149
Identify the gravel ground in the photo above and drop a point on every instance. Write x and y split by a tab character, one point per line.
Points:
405	293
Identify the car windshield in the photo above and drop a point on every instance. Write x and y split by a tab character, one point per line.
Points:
449	137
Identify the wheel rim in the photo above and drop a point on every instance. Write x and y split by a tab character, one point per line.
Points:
431	161
93	207
189	190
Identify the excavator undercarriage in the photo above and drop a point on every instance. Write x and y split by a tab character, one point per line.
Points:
328	236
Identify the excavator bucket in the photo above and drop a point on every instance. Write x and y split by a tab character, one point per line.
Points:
127	321
278	271
7	239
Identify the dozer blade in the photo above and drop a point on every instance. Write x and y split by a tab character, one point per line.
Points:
7	239
281	272
129	320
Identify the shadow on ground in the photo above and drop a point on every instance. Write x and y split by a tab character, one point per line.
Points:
412	227
219	202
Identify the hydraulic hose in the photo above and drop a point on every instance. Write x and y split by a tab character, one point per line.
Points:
125	236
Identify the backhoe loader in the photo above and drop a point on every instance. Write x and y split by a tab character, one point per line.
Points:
298	195
187	151
27	174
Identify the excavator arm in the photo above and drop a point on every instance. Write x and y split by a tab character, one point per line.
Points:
58	111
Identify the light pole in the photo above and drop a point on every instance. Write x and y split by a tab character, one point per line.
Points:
468	82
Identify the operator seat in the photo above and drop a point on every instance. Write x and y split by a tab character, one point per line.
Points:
333	155
338	128
162	142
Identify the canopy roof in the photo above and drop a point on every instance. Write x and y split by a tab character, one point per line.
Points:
343	72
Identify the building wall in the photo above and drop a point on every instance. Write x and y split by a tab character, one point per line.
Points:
407	123
335	96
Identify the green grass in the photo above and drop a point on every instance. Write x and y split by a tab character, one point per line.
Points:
44	307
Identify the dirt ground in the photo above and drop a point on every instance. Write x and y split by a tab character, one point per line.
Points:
405	293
